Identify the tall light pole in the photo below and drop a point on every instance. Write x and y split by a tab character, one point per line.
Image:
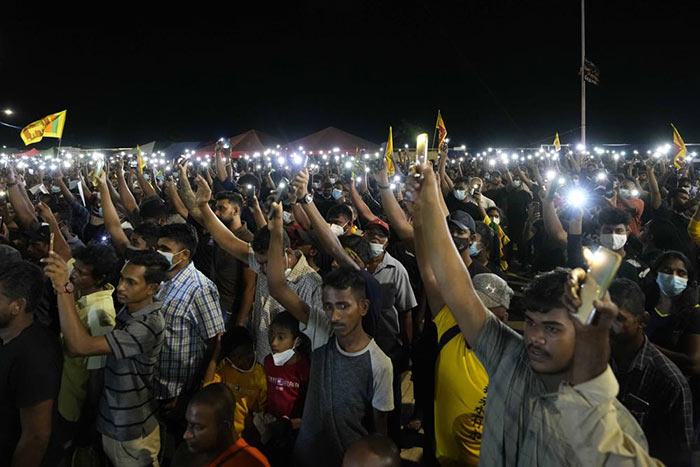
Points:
583	72
7	112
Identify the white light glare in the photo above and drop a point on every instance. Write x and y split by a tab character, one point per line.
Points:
577	198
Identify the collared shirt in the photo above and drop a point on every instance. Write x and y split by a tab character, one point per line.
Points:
397	294
524	425
127	407
192	315
655	391
96	313
304	281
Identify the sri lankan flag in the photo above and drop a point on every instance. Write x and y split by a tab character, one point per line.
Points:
49	126
557	144
442	130
503	240
387	154
139	161
679	158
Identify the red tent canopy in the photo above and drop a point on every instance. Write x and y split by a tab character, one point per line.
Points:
246	143
330	138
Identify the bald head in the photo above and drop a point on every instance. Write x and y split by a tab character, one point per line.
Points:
372	451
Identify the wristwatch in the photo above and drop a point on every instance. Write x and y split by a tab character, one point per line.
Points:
309	198
67	288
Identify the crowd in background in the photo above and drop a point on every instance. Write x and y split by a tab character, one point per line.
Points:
238	315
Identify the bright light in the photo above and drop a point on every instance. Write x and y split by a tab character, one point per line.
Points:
635	192
580	147
492	162
8	112
600	176
397	179
576	198
392	186
551	174
561	181
348	164
282	185
616	156
336	149
280	160
358	179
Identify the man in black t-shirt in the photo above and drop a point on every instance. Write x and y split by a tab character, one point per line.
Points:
30	368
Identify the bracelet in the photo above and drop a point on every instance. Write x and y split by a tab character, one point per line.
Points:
383	187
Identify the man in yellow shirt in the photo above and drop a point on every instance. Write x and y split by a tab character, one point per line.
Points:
461	382
91	269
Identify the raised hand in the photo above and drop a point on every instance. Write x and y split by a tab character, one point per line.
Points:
275	220
301	183
203	191
56	269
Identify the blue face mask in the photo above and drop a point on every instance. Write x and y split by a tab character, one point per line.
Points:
336	193
671	285
473	250
625	193
460	194
377	249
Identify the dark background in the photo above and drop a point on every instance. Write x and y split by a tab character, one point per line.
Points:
502	72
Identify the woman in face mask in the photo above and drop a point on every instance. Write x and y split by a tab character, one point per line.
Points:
672	302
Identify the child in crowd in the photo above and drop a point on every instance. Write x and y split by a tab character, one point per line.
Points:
233	363
287	369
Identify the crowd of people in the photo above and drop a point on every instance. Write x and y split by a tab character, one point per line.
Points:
238	315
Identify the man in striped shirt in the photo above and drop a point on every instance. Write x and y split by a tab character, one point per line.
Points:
130	432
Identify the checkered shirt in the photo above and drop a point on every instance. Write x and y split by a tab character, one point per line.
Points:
192	315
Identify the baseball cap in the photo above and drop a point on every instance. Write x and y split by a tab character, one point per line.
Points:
9	254
462	220
378	222
492	290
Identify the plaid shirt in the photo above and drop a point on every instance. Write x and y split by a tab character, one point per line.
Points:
192	315
656	392
303	280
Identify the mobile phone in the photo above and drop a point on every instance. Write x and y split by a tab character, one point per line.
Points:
51	240
133	164
422	148
603	266
281	190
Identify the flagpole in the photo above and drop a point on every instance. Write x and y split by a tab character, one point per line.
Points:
583	72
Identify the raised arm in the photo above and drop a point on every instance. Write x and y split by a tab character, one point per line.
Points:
186	194
221	173
450	272
145	185
171	193
77	339
653	186
432	290
276	281
397	218
128	200
221	234
60	245
552	224
58	180
111	218
362	209
328	240
24	214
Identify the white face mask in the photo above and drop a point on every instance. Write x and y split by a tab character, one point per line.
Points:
496	220
613	242
169	256
337	230
280	358
377	249
460	194
332	179
287	217
516	183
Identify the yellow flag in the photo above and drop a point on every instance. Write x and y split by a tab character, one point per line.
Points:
389	151
441	128
139	160
557	144
49	126
679	158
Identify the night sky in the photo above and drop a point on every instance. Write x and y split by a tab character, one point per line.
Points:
502	72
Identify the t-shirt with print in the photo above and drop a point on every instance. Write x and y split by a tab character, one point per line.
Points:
30	372
343	391
286	387
248	387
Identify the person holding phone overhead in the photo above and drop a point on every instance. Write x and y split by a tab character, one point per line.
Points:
551	396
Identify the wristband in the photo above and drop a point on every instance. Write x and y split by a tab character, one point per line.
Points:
383	187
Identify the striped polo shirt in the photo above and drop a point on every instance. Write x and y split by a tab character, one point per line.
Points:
127	407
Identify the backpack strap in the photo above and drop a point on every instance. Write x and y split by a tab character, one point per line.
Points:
448	336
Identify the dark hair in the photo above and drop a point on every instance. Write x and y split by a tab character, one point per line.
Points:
156	265
687	299
250	179
613	216
461	180
150	232
359	245
261	240
219	397
184	234
103	260
628	295
344	278
673	254
22	279
672	193
63	212
486	234
287	321
152	208
232	197
664	234
237	336
339	210
545	291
